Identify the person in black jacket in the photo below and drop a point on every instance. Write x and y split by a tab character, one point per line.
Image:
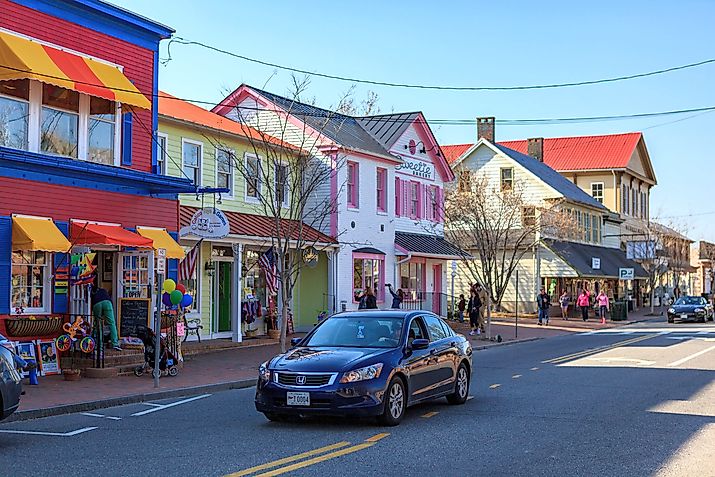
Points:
397	297
370	299
474	304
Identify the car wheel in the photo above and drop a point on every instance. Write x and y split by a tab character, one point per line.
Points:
395	403
671	320
274	417
461	386
702	320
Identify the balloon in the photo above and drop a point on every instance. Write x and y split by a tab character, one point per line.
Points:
181	288
176	296
166	299
169	285
187	301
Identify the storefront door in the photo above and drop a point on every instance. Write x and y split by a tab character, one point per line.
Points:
221	323
437	299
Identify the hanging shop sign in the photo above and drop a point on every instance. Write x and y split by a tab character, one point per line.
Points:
310	257
207	223
595	263
416	168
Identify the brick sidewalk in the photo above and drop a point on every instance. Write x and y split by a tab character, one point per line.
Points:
238	364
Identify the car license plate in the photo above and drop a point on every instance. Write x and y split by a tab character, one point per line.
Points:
684	316
297	399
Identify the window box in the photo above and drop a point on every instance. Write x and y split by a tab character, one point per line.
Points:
34	326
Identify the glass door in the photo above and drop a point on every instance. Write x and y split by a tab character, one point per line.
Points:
222	283
134	278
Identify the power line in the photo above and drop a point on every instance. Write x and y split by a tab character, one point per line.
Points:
183	41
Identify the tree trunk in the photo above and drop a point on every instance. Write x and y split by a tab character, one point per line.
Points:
652	299
284	320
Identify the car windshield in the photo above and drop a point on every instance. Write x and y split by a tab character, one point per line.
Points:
690	300
356	332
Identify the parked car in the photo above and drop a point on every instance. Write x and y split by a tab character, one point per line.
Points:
367	363
688	308
10	380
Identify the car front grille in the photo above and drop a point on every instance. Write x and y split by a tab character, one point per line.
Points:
303	380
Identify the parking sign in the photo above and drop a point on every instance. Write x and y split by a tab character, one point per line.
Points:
626	273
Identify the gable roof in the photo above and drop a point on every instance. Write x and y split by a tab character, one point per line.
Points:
387	128
608	151
176	108
549	176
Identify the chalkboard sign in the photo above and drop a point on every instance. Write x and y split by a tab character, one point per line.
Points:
133	313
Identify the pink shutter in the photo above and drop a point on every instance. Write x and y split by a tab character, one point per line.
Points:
440	205
420	201
406	191
356	189
398	197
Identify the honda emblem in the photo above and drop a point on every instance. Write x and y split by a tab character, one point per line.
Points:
300	380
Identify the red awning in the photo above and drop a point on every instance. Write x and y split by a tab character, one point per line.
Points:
95	234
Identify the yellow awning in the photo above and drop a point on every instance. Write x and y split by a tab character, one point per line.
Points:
35	233
162	239
22	58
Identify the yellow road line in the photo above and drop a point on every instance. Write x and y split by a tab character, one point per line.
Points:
289	459
494	386
591	351
430	414
316	460
516	376
377	437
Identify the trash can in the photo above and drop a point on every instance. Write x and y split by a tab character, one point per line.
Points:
619	311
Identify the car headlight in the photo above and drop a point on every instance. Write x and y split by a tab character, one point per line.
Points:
671	310
700	310
263	372
362	374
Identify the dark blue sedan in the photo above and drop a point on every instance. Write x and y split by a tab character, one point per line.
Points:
367	363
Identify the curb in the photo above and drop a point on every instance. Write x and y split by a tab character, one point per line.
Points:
132	399
505	343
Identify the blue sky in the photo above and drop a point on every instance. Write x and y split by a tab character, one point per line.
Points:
479	43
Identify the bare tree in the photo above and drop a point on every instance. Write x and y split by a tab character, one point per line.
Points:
496	228
291	184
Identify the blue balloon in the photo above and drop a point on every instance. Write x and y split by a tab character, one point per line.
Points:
166	299
186	301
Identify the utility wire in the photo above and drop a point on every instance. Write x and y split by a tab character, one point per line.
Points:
184	41
321	113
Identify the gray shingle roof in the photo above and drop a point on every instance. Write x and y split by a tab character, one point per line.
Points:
387	128
427	245
558	182
343	129
579	256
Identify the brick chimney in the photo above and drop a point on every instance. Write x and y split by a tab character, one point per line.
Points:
535	148
485	129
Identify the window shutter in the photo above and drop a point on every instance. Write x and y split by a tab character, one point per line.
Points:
127	139
356	188
420	201
398	197
406	191
5	260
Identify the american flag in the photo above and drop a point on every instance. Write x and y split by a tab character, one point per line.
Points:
267	262
188	264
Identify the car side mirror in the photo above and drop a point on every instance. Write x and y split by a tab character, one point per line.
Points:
295	341
419	344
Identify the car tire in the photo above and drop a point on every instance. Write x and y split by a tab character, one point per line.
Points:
461	386
395	403
702	320
275	417
670	320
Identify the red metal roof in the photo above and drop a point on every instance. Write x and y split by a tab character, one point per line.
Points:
611	151
259	226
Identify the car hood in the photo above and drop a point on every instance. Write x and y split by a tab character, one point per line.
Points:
326	359
686	308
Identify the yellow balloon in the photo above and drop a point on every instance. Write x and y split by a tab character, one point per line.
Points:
169	285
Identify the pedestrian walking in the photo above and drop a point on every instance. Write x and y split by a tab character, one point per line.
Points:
564	301
603	306
370	299
461	306
102	309
397	297
583	301
473	306
483	300
543	303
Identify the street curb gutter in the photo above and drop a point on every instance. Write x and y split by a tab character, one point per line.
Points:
133	399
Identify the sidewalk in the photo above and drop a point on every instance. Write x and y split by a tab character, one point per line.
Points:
235	368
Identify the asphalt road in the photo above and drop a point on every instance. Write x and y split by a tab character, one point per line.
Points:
632	401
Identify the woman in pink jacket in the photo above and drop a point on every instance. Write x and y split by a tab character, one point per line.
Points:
603	306
583	301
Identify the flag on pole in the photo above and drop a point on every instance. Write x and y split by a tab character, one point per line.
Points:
267	262
188	264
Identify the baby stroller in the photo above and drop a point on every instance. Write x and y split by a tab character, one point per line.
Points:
167	361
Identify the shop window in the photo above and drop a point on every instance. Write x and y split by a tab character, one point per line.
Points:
14	113
282	184
586	227
192	152
102	121
596	229
254	278
368	272
597	191
135	276
224	170
161	153
60	121
30	282
506	175
381	198
412	279
253	177
353	186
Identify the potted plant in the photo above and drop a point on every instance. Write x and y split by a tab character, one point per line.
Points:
272	325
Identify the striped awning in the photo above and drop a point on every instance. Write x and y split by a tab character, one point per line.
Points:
23	58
